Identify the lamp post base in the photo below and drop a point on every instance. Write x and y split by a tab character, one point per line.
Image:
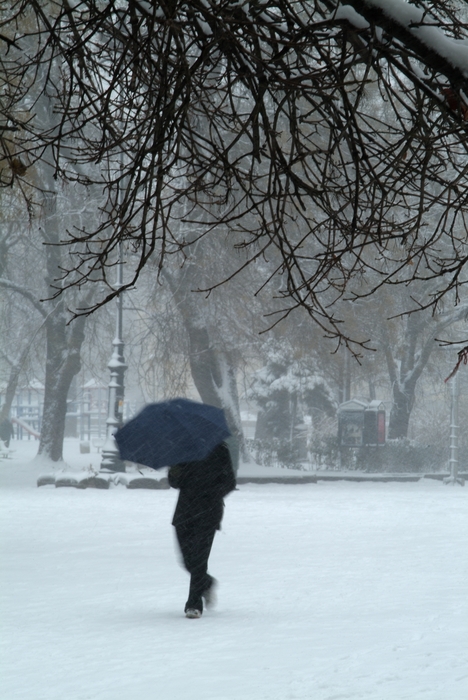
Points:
111	461
454	480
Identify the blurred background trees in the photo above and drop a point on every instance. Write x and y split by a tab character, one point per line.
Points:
287	166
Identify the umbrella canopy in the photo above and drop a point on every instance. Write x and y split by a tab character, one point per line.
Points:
170	432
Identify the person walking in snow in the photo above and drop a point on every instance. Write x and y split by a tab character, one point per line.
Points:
202	486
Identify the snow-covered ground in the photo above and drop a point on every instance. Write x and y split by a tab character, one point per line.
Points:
327	591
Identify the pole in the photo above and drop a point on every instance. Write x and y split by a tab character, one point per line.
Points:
110	452
347	375
454	478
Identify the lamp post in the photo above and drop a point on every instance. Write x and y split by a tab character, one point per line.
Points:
455	394
110	452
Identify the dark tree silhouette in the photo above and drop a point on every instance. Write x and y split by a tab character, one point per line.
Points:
329	137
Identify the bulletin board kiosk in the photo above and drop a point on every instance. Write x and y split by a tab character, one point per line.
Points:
361	423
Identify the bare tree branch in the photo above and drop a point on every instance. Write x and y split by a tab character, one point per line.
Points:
331	137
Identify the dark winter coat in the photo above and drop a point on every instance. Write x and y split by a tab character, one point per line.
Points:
203	486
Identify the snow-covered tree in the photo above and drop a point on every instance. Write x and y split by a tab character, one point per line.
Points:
32	271
31	278
286	388
404	343
407	351
208	339
19	326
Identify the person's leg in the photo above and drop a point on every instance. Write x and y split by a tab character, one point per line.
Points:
200	580
195	543
185	540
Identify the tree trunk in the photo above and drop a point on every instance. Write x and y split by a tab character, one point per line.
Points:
12	385
403	401
213	374
418	343
212	367
62	364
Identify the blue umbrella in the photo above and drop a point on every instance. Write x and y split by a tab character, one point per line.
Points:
170	432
